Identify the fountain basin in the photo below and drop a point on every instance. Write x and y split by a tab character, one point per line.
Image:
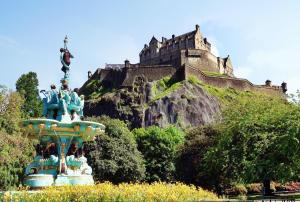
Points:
62	180
39	180
49	127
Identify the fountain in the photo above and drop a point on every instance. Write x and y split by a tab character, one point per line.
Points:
59	156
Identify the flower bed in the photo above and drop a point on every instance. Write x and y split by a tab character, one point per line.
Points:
122	192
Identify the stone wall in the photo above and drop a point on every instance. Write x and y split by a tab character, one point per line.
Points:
151	73
230	82
206	61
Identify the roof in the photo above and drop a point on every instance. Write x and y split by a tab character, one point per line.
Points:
183	36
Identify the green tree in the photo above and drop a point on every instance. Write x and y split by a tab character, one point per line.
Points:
191	156
114	156
159	147
16	152
260	141
27	86
10	110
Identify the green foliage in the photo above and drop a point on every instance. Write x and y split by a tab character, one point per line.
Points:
114	156
259	141
194	80
94	89
295	98
159	147
229	95
208	73
10	111
191	157
15	153
27	86
15	150
164	87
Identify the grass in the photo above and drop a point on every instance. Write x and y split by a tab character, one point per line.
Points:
227	95
164	87
95	89
208	73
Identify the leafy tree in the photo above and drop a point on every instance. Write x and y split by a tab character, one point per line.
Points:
16	152
27	86
295	98
114	155
10	110
159	147
260	141
191	156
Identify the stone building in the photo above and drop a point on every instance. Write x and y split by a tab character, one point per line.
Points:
178	57
190	48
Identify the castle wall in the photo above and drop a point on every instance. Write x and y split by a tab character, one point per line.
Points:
230	82
111	77
151	73
201	59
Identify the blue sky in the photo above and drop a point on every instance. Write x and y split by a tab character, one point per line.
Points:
262	37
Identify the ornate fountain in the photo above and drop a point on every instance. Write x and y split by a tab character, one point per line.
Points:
59	156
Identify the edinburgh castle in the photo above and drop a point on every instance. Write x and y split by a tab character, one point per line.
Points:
178	57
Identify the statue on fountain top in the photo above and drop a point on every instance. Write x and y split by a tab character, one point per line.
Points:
63	105
65	59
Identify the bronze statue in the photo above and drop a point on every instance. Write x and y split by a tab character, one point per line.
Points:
65	58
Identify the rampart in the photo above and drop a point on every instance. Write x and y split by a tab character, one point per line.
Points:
230	82
150	73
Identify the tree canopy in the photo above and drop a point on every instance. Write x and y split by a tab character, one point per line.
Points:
27	86
159	147
114	156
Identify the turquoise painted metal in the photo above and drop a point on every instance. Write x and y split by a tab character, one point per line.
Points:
60	154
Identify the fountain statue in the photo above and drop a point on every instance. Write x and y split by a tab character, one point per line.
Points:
61	132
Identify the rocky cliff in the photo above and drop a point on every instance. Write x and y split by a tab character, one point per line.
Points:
157	103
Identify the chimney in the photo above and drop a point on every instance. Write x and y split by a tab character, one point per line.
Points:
197	27
163	39
89	74
268	82
173	36
127	63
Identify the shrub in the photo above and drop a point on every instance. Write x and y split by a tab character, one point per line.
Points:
122	192
159	147
237	190
254	188
16	152
114	155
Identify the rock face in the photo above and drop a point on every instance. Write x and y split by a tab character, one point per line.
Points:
188	105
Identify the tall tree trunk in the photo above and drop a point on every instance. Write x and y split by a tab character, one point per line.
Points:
267	187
